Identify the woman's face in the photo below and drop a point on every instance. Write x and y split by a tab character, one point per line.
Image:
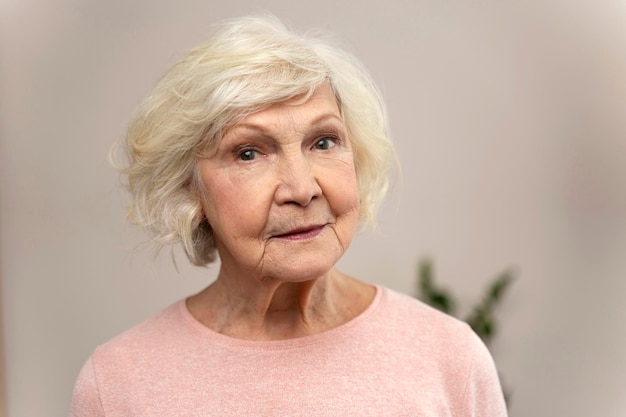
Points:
281	192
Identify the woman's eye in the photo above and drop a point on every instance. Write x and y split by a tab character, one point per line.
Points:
247	154
325	143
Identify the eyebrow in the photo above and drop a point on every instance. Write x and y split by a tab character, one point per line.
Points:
261	127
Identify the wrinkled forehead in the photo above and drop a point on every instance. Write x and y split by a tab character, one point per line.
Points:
292	120
319	102
235	112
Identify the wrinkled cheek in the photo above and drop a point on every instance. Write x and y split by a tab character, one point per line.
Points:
348	200
350	209
239	244
347	210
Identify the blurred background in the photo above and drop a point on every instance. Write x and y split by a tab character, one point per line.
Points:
509	123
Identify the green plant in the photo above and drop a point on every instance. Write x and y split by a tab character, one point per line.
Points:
482	316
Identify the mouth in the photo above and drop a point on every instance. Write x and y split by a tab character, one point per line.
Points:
301	233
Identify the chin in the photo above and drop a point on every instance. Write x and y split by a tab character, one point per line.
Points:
300	273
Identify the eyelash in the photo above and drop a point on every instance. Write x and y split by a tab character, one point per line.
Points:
239	151
334	139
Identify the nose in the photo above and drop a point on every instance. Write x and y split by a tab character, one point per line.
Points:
297	183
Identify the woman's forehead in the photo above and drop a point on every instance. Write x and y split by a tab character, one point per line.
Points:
319	106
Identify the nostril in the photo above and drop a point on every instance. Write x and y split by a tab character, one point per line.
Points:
298	191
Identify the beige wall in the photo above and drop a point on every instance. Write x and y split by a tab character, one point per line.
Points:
3	381
509	126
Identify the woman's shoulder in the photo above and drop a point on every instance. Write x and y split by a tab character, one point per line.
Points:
164	328
444	343
423	324
405	307
445	349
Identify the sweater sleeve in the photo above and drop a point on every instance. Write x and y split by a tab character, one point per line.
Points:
483	396
86	396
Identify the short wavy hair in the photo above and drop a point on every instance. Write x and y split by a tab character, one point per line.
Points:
245	66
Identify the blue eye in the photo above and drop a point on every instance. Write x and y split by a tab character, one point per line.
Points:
247	154
325	143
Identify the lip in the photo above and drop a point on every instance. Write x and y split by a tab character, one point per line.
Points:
302	233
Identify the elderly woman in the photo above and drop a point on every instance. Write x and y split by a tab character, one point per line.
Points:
270	149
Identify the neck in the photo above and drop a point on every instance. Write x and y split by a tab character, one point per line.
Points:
270	309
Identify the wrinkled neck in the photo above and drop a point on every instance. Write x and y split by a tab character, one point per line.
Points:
274	310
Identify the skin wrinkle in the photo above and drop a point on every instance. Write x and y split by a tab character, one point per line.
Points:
305	319
271	286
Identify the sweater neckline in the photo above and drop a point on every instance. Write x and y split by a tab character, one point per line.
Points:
332	334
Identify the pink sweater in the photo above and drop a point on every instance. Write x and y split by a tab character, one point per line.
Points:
398	358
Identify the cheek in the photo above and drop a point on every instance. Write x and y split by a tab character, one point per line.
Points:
343	193
233	204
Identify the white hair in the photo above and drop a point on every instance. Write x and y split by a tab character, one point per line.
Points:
248	64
